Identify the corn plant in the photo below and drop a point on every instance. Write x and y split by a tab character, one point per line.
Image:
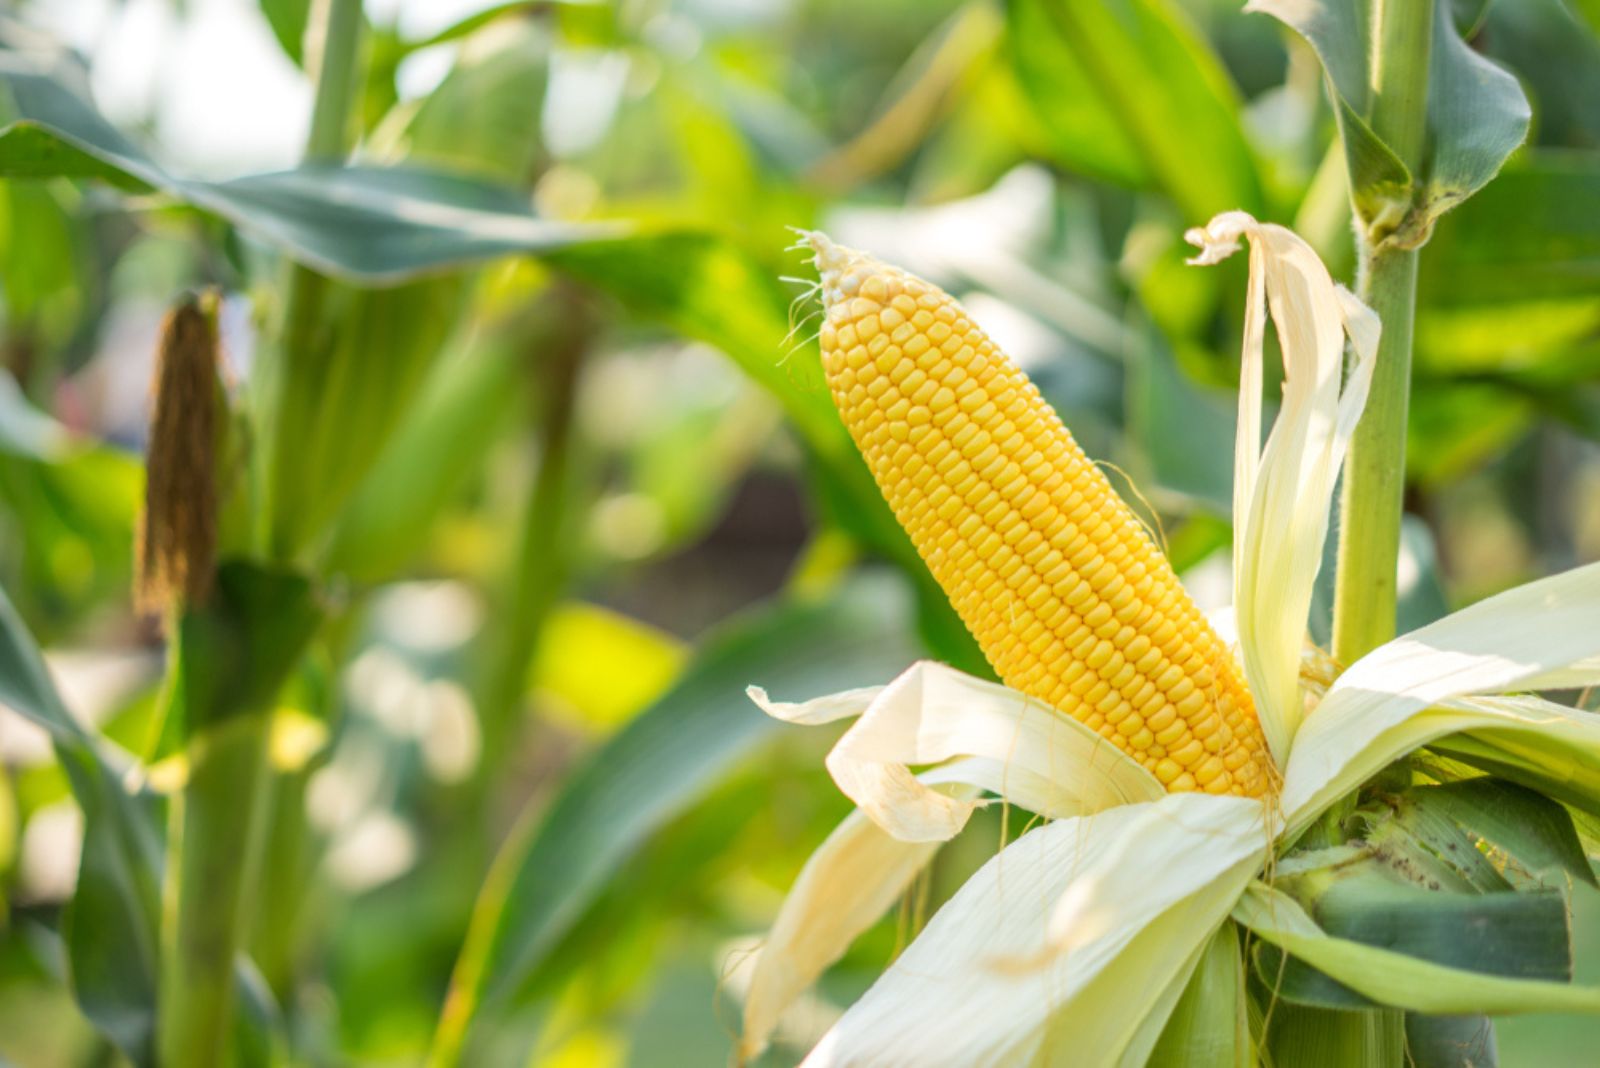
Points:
420	764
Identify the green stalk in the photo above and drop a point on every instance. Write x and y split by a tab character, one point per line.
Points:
1365	593
211	869
541	564
292	371
218	819
1374	480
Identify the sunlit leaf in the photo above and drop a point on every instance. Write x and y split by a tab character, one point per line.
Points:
654	768
1130	91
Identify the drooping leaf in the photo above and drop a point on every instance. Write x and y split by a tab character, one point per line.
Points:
1386	899
656	766
374	223
1129	91
1384	976
111	923
1477	115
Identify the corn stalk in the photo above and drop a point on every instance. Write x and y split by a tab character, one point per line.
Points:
1374	479
229	662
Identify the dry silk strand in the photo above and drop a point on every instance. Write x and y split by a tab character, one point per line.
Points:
1055	576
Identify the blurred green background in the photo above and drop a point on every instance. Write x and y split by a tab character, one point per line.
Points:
569	488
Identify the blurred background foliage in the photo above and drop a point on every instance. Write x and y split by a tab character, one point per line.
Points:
560	459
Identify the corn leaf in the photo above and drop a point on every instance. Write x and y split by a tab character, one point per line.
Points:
1397	979
1184	430
111	923
1477	115
1386	898
380	224
654	768
1130	91
1494	834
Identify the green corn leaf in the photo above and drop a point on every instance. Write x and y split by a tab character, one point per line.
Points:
110	926
1496	828
1385	899
1130	91
1388	977
1183	429
1477	115
653	769
375	223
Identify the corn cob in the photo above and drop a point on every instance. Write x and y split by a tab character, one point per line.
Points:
1066	593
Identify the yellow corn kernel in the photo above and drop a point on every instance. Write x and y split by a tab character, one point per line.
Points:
1056	578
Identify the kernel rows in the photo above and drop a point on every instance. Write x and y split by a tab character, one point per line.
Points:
1062	586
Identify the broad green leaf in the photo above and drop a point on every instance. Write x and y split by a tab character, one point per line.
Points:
1477	115
374	223
1553	46
46	287
384	224
25	684
1458	425
655	767
1392	978
1129	91
360	372
1590	10
1387	899
110	925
